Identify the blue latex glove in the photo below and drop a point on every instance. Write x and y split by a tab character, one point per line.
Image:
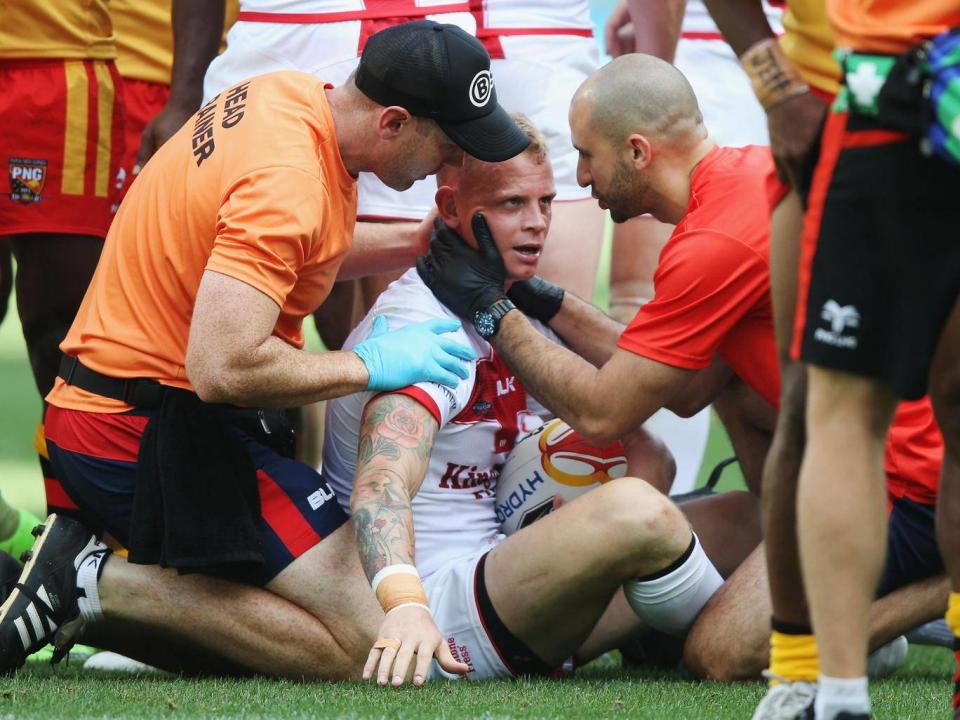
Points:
412	354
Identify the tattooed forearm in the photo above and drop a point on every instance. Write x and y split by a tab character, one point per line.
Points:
396	437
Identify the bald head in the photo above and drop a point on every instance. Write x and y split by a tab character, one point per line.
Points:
639	93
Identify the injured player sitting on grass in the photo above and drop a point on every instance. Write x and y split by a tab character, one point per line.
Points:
418	468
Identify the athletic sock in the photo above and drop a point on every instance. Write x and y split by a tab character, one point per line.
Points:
793	653
88	578
670	600
839	695
953	621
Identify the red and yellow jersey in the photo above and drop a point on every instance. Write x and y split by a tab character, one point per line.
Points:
890	26
808	41
145	37
253	187
69	29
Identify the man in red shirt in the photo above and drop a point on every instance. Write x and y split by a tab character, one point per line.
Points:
643	148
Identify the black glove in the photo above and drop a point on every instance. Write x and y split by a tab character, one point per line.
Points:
537	298
465	280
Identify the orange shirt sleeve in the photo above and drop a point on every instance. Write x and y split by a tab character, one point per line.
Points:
268	227
705	283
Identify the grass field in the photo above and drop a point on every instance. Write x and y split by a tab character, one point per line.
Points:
919	691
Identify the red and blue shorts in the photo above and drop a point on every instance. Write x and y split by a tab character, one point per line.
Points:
94	456
61	144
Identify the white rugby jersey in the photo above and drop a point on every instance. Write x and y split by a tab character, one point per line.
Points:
697	22
454	513
489	14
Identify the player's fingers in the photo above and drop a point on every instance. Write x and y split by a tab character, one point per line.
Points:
445	658
424	658
371	663
147	148
386	663
402	663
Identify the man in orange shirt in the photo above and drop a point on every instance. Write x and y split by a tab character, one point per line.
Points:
61	138
231	235
877	321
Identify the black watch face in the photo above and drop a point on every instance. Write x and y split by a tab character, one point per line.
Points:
485	324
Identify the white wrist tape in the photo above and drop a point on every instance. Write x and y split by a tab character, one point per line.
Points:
411	604
396	569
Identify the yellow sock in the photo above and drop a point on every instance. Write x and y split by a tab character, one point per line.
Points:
793	657
40	442
953	613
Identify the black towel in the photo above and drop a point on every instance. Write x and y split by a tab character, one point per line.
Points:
196	507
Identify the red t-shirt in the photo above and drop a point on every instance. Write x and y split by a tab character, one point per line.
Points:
712	296
712	284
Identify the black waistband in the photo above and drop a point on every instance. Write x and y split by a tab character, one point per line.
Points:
142	393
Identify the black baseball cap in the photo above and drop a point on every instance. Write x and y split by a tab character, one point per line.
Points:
440	72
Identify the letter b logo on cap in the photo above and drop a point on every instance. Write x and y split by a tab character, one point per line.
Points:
480	88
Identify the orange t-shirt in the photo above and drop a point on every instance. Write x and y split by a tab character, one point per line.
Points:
145	37
808	41
56	29
253	187
890	26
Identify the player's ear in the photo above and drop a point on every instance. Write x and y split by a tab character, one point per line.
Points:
640	151
446	199
392	120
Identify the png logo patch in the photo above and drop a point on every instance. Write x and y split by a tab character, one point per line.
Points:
27	178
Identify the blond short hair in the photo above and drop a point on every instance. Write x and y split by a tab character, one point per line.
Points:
538	142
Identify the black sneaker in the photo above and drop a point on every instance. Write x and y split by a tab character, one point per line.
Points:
46	597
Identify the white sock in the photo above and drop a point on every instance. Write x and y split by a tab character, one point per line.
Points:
88	574
837	695
671	603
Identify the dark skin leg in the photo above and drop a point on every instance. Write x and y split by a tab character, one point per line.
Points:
781	471
945	394
6	278
781	474
53	272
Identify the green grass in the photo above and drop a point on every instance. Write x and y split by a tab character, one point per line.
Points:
919	691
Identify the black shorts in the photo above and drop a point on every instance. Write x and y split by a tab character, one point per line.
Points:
912	550
880	263
94	456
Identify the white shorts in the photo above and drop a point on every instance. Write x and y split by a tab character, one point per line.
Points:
731	112
451	592
552	65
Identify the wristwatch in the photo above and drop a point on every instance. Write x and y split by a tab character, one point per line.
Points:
487	322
